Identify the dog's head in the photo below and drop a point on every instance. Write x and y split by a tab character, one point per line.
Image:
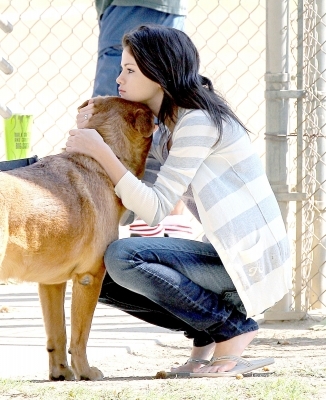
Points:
126	127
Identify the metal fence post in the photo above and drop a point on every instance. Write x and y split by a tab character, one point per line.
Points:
277	96
318	272
299	299
5	66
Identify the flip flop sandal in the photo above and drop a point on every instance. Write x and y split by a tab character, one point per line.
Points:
197	360
190	360
243	366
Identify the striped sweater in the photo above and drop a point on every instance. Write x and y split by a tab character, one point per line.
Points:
224	184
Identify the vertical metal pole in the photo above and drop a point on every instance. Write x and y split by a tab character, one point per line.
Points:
318	296
277	114
299	211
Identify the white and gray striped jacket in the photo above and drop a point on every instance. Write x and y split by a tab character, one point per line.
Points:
224	185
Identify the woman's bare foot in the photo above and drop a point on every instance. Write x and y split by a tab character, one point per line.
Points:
232	347
197	353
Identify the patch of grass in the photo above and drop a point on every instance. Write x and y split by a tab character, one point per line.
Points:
279	389
263	389
302	372
177	389
59	391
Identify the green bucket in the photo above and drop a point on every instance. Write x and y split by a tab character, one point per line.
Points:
18	130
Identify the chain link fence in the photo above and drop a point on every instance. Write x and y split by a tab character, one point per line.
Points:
52	48
308	48
53	51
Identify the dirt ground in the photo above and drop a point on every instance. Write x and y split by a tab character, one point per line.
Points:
298	347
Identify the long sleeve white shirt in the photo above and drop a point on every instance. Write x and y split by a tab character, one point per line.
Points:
225	185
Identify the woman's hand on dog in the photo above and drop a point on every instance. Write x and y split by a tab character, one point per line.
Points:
90	143
85	141
84	115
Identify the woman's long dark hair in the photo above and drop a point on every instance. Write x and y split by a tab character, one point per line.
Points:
169	57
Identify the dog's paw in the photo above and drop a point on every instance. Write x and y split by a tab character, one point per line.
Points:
65	374
94	374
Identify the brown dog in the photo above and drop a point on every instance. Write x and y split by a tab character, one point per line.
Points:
57	217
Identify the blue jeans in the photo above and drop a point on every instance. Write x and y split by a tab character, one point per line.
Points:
114	23
176	283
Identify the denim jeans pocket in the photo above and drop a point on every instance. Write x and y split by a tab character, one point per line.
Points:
232	297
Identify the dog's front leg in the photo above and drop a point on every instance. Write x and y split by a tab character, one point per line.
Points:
52	301
86	290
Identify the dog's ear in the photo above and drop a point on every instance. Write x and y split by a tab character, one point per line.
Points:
144	122
83	105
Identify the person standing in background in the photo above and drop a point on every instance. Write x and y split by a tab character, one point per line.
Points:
116	17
